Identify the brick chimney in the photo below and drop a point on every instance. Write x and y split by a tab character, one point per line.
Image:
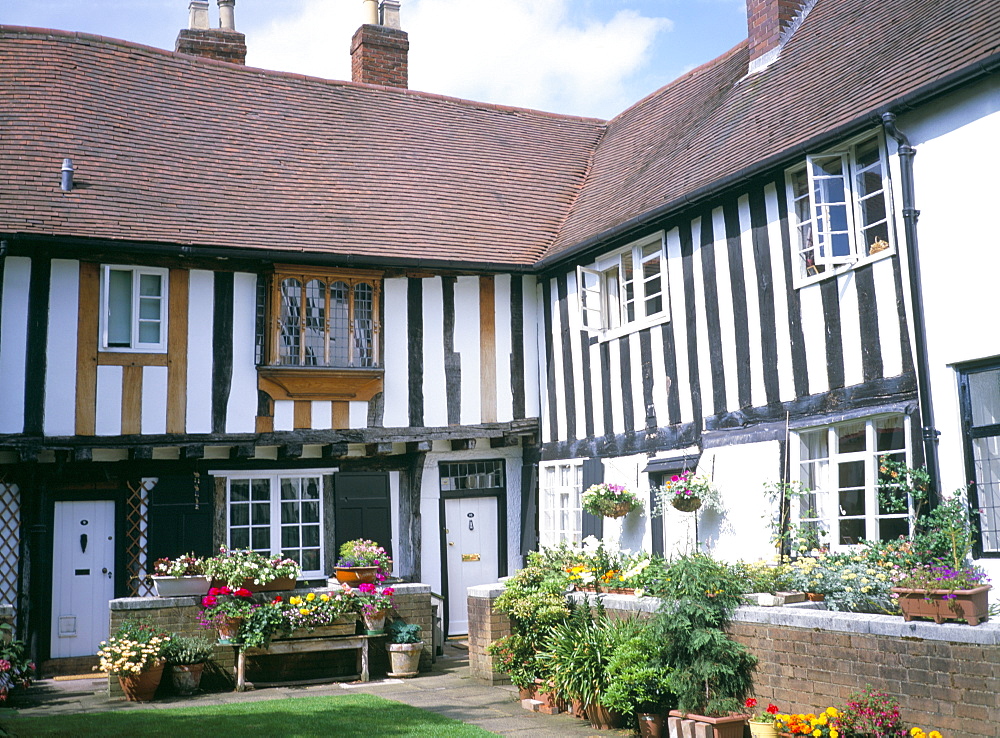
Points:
379	48
769	24
223	43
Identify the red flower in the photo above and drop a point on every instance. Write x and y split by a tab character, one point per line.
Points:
214	591
243	592
208	600
773	709
224	590
276	600
751	702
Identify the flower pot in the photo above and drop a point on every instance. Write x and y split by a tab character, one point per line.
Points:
971	605
526	693
619	510
282	584
404	658
730	726
355	575
650	725
686	504
229	629
142	687
578	709
601	718
187	586
186	678
763	730
375	622
815	596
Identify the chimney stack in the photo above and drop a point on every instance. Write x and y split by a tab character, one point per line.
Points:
223	43
379	48
769	25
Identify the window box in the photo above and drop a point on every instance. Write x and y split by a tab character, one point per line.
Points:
971	605
186	586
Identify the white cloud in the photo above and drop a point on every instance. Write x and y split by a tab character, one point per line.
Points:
531	53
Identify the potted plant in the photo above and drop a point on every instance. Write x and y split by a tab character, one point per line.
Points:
225	610
762	723
869	712
376	604
247	569
135	655
362	560
685	491
330	613
16	669
404	649
639	684
942	593
187	656
180	577
609	500
823	725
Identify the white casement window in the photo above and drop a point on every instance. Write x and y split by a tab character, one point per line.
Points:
133	309
325	318
278	513
979	393
838	467
561	505
625	290
841	206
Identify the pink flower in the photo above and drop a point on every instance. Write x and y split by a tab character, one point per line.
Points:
4	665
209	600
243	592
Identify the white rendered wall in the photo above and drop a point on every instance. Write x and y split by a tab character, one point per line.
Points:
14	341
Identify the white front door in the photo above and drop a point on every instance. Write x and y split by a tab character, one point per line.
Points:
471	537
83	557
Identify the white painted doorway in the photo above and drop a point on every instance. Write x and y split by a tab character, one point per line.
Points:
471	536
83	558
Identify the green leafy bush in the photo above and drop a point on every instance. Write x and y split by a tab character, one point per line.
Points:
186	650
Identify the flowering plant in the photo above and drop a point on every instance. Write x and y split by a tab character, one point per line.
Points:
135	647
374	599
233	567
16	670
943	577
182	566
823	725
870	712
686	485
362	552
608	500
768	716
223	602
317	610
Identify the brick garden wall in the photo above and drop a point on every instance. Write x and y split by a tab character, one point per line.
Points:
946	677
412	603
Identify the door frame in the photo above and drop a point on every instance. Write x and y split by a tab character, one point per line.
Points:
500	495
66	493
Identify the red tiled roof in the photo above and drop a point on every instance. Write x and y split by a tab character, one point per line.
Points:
847	59
175	149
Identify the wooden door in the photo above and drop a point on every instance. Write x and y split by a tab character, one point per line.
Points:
471	535
83	559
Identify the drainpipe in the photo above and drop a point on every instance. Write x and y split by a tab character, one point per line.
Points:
928	432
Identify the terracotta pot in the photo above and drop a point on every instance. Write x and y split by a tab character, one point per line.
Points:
526	693
815	596
355	575
191	586
186	678
650	725
404	658
730	726
229	629
602	718
763	730
686	504
375	622
578	709
142	687
971	605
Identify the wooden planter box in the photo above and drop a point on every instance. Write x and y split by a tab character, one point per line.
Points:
343	627
730	726
971	605
275	585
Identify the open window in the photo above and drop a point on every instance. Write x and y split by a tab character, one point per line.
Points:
133	309
625	290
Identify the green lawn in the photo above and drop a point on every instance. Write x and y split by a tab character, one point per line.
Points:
350	715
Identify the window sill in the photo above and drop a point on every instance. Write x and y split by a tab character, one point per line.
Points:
319	383
844	269
605	336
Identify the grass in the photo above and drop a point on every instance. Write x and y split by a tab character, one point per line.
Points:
359	715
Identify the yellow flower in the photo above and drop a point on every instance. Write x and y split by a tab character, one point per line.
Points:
304	611
324	597
933	734
818	733
296	600
834	733
311	596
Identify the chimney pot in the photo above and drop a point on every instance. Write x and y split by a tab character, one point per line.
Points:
227	15
390	14
198	14
370	12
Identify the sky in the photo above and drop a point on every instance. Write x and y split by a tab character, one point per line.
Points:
590	58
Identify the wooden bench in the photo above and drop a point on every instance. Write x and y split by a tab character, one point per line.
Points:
307	645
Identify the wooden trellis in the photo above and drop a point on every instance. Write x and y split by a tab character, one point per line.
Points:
10	541
136	538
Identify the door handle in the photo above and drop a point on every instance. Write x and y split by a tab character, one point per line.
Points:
105	571
451	543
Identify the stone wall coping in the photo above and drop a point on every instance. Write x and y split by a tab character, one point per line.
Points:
161	603
806	615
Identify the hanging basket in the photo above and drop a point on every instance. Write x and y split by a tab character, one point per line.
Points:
619	510
686	504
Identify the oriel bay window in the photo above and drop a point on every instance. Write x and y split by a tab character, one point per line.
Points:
325	319
844	494
278	513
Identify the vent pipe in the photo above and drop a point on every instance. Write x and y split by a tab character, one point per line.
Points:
67	175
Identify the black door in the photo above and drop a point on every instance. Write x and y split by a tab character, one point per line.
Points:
362	508
180	518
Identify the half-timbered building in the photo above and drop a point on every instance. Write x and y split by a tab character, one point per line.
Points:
250	308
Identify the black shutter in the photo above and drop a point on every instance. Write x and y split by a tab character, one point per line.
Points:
179	521
362	508
529	508
593	473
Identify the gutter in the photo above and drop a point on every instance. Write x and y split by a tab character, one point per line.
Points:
929	433
910	100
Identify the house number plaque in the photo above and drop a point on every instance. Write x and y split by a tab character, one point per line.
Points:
470	557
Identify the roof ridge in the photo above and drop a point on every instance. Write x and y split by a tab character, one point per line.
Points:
9	31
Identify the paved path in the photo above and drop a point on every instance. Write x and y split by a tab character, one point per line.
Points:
447	690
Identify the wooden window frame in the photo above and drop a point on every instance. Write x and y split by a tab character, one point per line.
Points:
136	346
